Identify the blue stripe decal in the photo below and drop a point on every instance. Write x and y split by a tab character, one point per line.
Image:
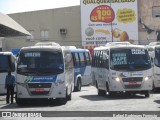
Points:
44	79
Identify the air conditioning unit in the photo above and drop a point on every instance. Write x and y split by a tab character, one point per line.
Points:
63	31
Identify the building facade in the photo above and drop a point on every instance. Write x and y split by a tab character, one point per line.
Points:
63	25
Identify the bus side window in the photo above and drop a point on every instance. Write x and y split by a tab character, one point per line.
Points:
97	59
107	63
106	59
82	59
77	61
101	59
87	58
93	59
74	59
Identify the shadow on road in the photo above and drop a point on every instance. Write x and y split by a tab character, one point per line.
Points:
155	91
37	104
157	101
107	97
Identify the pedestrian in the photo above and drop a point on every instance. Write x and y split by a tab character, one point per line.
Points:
9	85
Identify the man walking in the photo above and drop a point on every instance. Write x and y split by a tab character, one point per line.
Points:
9	85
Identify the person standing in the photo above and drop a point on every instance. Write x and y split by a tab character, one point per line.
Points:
9	85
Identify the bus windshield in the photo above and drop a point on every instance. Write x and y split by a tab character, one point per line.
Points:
4	62
40	63
157	57
134	59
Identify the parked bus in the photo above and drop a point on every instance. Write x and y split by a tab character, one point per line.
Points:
122	68
82	68
7	63
45	71
154	51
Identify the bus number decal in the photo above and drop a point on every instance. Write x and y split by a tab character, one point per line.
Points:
33	54
138	51
119	59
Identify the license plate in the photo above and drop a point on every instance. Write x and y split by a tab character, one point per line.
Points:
39	89
132	83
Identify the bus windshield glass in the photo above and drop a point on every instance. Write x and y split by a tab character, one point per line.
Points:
40	63
4	62
157	57
133	59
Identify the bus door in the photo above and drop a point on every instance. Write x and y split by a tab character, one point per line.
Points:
86	79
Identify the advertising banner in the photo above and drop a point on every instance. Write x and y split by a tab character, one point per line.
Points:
105	21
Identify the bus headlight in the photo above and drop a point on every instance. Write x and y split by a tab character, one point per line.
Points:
117	79
147	78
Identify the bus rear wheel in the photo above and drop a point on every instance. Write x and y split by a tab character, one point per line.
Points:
79	85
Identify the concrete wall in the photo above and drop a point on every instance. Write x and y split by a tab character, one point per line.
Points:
145	13
52	20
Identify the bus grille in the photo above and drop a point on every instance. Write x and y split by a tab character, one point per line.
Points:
132	83
132	86
40	93
39	85
37	88
133	79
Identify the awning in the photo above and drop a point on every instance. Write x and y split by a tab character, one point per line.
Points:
9	27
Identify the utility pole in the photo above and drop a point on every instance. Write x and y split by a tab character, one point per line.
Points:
111	22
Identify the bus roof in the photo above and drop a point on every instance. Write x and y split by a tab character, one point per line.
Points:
153	46
79	50
41	47
47	44
154	43
117	43
48	47
6	53
119	46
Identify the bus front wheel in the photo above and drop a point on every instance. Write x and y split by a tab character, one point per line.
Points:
110	93
19	101
147	94
79	85
100	92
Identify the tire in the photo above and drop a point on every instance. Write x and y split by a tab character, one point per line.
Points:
147	94
19	102
110	93
79	85
69	97
153	88
101	92
62	101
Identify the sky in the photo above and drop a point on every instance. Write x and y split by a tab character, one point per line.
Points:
16	6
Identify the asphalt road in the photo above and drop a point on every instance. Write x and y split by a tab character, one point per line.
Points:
88	104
